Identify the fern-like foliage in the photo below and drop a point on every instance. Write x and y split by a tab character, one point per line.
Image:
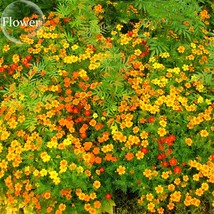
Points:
113	86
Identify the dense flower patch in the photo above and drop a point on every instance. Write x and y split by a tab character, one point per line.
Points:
84	116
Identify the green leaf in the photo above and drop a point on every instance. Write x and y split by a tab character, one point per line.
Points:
107	206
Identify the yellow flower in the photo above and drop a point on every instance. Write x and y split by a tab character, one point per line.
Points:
171	206
74	47
43	172
36	173
200	99
151	207
196	177
65	45
144	135
149	197
45	157
199	192
93	66
181	49
124	40
96	184
80	169
157	65
193	45
185	67
159	189
121	170
171	187
52	144
164	55
6	48
53	174
177	181
161	131
176	196
204	133
176	70
67	142
146	34
205	186
147	173
119	27
140	155
93	196
163	123
82	73
188	141
56	180
137	52
113	33
70	59
185	178
16	58
208	101
165	175
95	115
4	135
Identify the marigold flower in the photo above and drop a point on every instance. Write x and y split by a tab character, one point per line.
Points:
97	204
188	141
165	175
171	187
171	206
43	172
159	189
205	186
162	123
151	206
45	157
162	131
149	197
204	133
181	49
199	192
47	195
137	52
139	155
6	48
121	170
92	122
129	156
96	184
62	207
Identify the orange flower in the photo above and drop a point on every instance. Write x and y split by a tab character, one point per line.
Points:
92	122
87	207
98	126
87	146
49	209
129	156
97	204
63	192
204	14
47	195
96	150
98	160
63	163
